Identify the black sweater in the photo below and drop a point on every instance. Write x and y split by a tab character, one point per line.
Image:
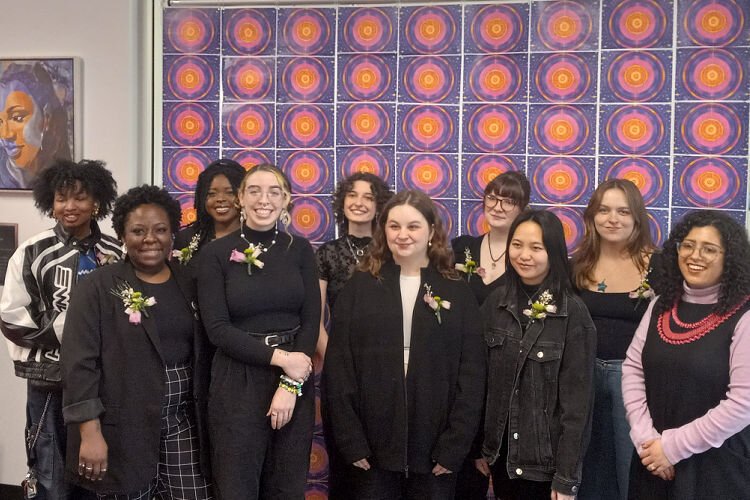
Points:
398	423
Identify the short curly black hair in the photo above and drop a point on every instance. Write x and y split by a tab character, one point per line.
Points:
735	278
145	195
234	172
64	176
380	190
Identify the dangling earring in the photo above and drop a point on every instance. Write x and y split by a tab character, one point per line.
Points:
95	213
284	217
242	217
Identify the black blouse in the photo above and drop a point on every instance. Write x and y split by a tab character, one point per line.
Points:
477	285
337	260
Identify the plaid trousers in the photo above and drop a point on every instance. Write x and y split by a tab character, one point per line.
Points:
178	474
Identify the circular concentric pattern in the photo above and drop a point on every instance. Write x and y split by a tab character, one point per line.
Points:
483	169
250	125
427	128
190	78
311	218
497	28
635	130
643	173
429	79
189	30
308	172
563	77
251	158
318	459
187	206
494	128
305	126
430	30
249	79
305	79
559	179
658	228
184	166
564	25
572	223
446	215
637	23
365	159
366	77
316	490
429	173
248	31
366	123
712	74
710	182
561	129
306	31
476	222
190	124
368	30
713	22
495	78
636	76
711	128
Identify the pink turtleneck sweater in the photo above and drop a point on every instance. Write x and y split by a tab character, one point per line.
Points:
729	417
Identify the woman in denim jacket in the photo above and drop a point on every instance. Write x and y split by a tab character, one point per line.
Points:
542	344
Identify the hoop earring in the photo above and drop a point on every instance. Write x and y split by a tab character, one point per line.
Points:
284	217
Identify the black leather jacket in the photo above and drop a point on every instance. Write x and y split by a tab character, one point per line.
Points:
540	384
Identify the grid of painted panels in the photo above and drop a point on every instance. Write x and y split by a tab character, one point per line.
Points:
444	97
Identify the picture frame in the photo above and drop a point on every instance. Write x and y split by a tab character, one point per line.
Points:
40	116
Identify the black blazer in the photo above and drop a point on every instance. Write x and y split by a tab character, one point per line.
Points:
432	415
113	370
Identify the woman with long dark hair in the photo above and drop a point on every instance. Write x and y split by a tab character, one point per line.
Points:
541	344
405	365
686	378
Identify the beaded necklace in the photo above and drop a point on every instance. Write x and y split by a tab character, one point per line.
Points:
694	330
263	248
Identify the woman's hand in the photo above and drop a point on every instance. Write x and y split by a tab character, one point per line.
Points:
296	365
92	456
482	466
556	495
282	407
439	470
362	464
653	458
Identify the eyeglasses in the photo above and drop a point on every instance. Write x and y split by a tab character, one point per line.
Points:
506	204
707	251
273	194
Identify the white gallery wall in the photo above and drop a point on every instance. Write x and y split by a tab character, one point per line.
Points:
112	39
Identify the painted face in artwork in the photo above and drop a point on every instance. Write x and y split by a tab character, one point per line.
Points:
21	125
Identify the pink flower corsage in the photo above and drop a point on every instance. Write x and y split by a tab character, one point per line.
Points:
249	256
435	302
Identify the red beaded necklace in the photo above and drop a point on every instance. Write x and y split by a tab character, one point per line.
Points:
695	330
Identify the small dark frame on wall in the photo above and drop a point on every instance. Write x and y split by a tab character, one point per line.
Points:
39	117
8	245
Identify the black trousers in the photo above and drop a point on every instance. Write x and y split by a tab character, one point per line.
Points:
379	484
251	460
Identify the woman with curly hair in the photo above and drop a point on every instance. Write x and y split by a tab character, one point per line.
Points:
405	365
611	271
686	378
356	204
216	208
135	374
260	301
41	275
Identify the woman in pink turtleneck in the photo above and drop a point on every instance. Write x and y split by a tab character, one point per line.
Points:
686	379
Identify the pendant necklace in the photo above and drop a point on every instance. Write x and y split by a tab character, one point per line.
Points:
492	258
356	251
601	286
530	297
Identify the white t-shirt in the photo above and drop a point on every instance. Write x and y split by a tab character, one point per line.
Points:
409	293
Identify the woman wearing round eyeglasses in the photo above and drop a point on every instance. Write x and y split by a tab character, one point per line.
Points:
686	379
481	261
260	300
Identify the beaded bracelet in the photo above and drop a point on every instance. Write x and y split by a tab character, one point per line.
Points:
290	385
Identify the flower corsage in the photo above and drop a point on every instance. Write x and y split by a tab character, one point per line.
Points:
104	259
249	256
135	303
541	307
470	266
435	302
185	254
643	292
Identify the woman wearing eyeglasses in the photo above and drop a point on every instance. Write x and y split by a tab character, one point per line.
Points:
481	261
260	300
686	378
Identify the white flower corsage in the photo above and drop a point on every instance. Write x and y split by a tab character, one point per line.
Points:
469	266
435	302
135	303
185	254
104	259
249	256
541	307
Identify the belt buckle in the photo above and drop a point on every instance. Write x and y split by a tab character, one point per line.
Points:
276	340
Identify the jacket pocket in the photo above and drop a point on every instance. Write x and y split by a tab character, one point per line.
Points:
495	337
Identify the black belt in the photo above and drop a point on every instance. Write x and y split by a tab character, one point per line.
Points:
276	339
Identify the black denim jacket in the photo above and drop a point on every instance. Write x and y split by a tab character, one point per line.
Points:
540	383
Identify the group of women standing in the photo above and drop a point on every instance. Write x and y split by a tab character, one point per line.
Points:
186	366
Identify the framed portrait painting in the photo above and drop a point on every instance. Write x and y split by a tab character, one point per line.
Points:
39	117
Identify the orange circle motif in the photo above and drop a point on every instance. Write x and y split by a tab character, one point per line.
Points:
250	79
712	75
495	80
637	23
191	31
497	29
304	171
249	125
247	33
714	21
428	79
189	78
560	180
190	125
494	128
634	129
711	129
636	75
560	130
365	122
565	26
368	30
563	78
428	127
305	218
431	30
709	182
307	31
636	178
